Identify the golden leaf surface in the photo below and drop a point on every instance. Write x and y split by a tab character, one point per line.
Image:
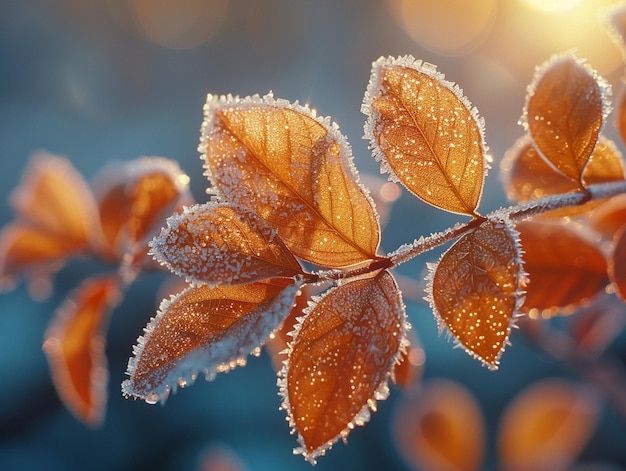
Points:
133	200
441	428
222	244
294	170
341	356
205	330
425	133
617	263
565	111
527	176
474	290
564	268
75	347
546	426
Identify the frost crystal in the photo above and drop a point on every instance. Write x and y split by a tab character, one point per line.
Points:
175	347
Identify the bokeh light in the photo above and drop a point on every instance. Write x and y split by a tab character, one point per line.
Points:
183	24
448	27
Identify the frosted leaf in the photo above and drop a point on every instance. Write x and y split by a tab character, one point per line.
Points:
295	171
221	243
425	133
475	290
340	359
205	330
566	108
134	197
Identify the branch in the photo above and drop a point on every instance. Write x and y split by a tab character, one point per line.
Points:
515	213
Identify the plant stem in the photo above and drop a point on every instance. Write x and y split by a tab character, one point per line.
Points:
520	212
514	213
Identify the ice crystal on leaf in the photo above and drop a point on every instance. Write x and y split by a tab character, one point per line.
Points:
205	329
425	133
475	289
134	198
223	244
285	190
340	359
566	108
294	170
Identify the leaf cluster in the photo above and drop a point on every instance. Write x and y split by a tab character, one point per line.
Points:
287	249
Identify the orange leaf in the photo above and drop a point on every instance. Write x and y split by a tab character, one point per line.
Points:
566	107
474	290
75	347
441	428
425	133
610	217
204	329
605	164
527	176
33	252
546	426
339	361
617	263
219	243
54	197
564	268
295	171
134	197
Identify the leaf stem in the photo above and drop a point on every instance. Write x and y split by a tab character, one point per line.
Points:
515	213
520	212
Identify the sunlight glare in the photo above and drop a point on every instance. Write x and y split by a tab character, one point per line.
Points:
552	5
